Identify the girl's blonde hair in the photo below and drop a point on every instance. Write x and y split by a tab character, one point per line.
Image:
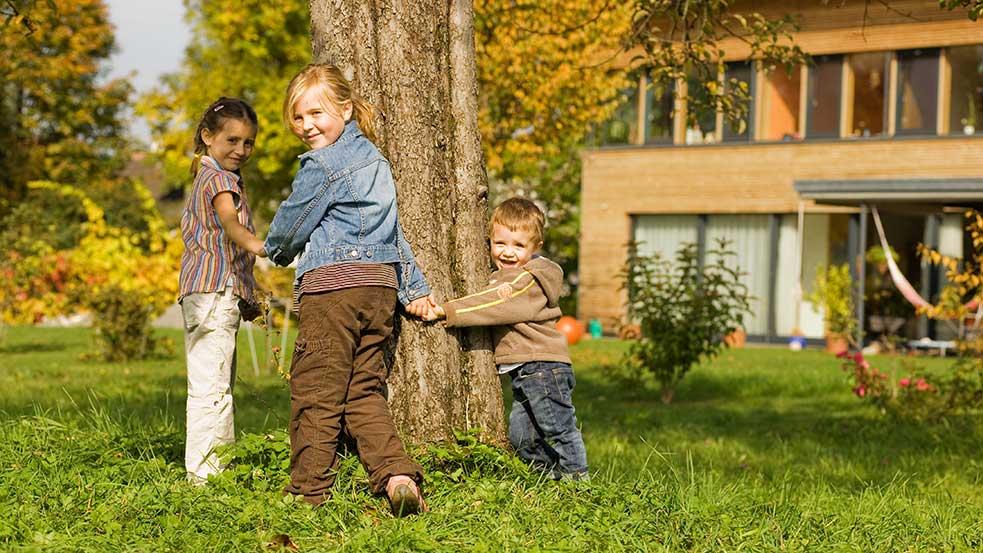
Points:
335	92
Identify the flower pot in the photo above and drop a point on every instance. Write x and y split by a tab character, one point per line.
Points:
836	343
736	339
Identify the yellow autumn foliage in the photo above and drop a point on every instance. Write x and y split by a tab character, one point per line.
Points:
545	76
51	282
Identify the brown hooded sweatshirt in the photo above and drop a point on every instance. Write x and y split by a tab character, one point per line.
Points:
521	304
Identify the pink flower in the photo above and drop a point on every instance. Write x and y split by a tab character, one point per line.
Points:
921	385
904	382
861	391
858	358
863	364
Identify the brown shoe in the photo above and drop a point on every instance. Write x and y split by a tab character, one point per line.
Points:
404	500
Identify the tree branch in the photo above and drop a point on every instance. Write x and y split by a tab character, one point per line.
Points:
570	29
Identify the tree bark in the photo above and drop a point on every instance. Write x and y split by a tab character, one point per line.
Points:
415	62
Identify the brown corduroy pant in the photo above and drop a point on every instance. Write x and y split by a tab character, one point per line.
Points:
337	379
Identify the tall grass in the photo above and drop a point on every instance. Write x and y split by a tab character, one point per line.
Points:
763	450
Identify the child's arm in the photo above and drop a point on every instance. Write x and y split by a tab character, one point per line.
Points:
413	286
299	214
518	299
229	218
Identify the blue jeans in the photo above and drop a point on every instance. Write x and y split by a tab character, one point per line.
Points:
543	425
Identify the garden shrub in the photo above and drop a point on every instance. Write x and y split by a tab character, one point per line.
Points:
683	308
122	323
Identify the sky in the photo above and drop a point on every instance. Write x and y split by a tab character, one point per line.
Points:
150	39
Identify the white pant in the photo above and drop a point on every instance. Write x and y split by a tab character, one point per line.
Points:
211	321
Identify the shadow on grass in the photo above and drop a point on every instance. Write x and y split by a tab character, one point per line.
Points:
32	348
745	424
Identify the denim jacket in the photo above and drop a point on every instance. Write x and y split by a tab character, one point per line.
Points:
343	209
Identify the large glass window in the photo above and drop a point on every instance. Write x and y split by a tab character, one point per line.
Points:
740	76
781	106
823	110
622	127
918	91
869	94
749	238
966	99
664	234
658	113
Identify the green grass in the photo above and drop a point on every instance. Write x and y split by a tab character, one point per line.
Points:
762	450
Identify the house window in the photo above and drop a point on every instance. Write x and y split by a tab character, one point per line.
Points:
664	234
823	109
622	127
869	94
918	87
701	124
748	237
658	113
966	97
739	75
781	105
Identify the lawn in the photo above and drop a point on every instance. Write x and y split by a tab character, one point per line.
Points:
763	449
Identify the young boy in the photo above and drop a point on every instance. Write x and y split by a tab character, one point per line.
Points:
521	305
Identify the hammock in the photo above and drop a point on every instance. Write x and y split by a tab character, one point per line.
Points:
900	282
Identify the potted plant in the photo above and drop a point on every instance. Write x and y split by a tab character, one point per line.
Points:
736	339
969	122
832	292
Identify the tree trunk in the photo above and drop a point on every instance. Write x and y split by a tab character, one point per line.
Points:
415	62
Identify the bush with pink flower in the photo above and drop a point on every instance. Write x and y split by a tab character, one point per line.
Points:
918	394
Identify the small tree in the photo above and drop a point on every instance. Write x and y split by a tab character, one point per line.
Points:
684	308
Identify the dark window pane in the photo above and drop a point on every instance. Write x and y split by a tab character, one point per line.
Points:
739	75
966	101
869	93
782	111
918	89
622	127
823	111
658	113
702	122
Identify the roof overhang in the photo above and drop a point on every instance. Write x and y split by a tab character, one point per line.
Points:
941	192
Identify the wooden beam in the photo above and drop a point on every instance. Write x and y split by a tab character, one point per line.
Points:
892	95
803	98
641	105
944	93
679	111
846	98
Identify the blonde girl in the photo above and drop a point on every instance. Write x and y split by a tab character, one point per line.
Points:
354	265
